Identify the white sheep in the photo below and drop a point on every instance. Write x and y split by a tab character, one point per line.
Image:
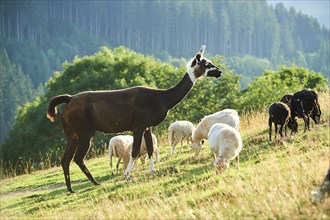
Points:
121	147
225	144
226	116
179	131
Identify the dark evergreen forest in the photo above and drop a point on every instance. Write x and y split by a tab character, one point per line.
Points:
41	35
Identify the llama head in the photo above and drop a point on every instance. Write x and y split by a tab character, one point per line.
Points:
221	164
200	66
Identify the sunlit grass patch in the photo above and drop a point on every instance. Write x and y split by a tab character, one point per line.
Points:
274	181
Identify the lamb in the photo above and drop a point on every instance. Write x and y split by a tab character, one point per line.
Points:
179	131
226	116
118	147
225	144
121	147
279	114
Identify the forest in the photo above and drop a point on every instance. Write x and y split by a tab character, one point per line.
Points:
40	35
51	47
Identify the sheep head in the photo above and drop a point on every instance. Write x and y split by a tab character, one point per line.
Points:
221	164
196	146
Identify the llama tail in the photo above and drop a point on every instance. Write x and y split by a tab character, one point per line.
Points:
52	109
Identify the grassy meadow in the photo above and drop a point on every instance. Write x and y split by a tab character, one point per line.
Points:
274	181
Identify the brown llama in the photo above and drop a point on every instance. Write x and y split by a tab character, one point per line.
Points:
134	109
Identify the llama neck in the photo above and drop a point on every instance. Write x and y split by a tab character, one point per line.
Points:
177	93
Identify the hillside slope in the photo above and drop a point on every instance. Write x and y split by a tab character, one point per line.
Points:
274	181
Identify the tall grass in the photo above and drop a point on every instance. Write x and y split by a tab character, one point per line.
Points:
274	181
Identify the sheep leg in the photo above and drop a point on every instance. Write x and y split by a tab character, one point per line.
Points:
83	147
110	158
117	165
308	122
281	129
275	130
137	138
270	128
172	149
125	164
66	159
174	142
305	122
157	156
150	148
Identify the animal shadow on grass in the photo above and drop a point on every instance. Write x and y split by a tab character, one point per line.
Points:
196	159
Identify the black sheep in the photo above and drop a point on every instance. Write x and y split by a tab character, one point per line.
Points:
279	114
304	104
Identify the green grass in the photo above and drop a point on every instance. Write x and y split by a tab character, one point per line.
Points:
275	181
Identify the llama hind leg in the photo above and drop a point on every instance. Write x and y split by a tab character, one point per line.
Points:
83	147
66	159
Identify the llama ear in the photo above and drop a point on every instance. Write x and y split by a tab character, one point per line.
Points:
202	50
198	57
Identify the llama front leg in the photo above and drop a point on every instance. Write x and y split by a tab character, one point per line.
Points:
150	149
137	135
129	167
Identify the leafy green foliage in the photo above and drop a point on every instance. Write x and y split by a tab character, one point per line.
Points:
272	85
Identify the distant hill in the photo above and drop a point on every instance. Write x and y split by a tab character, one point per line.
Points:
319	9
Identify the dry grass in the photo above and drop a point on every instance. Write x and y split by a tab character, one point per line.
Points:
275	181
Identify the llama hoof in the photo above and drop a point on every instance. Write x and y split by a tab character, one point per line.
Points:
128	178
96	184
